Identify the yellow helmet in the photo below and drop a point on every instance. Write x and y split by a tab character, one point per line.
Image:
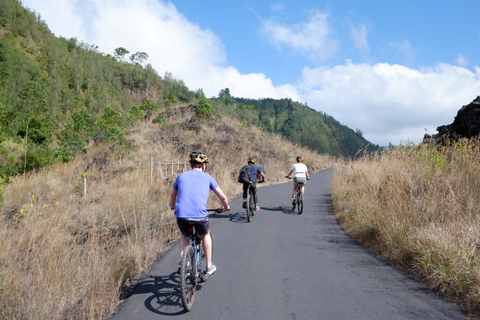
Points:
198	157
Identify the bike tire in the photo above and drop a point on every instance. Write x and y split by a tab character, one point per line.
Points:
249	207
252	203
300	202
202	267
187	278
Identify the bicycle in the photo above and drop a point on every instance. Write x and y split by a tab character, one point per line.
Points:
193	268
298	197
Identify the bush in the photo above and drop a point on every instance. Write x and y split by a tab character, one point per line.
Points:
204	108
160	118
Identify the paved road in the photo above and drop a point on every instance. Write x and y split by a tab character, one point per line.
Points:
288	266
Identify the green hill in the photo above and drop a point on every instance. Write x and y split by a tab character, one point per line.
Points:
57	93
297	122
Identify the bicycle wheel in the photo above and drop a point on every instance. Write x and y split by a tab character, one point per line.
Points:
202	265
300	202
249	206
187	278
252	203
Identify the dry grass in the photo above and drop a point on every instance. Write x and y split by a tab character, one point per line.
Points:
419	208
67	256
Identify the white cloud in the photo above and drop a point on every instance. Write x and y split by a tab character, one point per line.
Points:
312	38
388	103
391	103
359	37
173	44
462	60
405	51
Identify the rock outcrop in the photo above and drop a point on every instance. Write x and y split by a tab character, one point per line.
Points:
465	125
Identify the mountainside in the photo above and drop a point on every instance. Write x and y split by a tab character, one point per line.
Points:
57	93
297	122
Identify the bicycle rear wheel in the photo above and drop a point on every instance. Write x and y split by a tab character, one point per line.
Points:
249	206
300	202
252	203
187	278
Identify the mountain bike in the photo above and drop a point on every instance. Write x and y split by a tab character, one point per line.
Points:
193	267
298	198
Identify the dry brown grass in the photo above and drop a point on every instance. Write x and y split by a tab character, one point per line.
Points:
419	208
66	256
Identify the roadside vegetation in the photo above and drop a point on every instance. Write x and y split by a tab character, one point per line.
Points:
75	236
418	207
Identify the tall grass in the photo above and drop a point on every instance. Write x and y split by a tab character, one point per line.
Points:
418	206
64	255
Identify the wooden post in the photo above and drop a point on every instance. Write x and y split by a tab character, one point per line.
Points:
151	170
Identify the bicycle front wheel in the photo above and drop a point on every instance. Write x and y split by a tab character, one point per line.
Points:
300	202
187	278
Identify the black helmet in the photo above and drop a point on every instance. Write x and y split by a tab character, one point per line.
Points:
197	157
251	160
299	159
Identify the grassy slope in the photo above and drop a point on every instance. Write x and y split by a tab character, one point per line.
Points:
55	240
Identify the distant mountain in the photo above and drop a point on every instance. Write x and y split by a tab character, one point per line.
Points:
297	122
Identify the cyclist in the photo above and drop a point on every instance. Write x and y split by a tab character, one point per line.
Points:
189	201
300	176
254	170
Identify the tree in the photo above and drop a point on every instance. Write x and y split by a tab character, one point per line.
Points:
224	93
204	108
149	105
33	102
138	57
171	99
120	52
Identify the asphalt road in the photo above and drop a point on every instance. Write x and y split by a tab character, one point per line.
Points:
287	266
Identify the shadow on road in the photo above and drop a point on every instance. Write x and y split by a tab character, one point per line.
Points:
238	217
165	294
285	210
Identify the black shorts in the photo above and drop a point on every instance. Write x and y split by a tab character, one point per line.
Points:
202	226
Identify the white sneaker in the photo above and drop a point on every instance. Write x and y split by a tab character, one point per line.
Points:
212	269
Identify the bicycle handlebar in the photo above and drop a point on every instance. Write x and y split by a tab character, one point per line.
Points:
218	210
294	178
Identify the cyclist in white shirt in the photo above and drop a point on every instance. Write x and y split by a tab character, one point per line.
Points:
300	172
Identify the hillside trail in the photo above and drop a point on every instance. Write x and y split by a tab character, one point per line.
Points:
287	266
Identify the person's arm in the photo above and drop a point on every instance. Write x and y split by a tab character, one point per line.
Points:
173	198
223	199
263	177
288	175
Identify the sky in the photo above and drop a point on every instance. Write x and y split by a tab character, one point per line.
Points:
393	70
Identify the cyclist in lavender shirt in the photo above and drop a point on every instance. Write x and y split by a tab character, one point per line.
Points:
189	201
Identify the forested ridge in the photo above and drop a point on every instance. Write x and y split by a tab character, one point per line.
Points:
299	123
57	93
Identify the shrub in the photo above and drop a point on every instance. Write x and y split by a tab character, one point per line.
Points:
204	108
160	118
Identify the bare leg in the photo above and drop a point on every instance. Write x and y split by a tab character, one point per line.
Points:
294	193
207	246
183	243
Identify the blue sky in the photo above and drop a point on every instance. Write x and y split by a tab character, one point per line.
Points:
393	69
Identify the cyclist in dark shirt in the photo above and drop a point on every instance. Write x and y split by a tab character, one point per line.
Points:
254	170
